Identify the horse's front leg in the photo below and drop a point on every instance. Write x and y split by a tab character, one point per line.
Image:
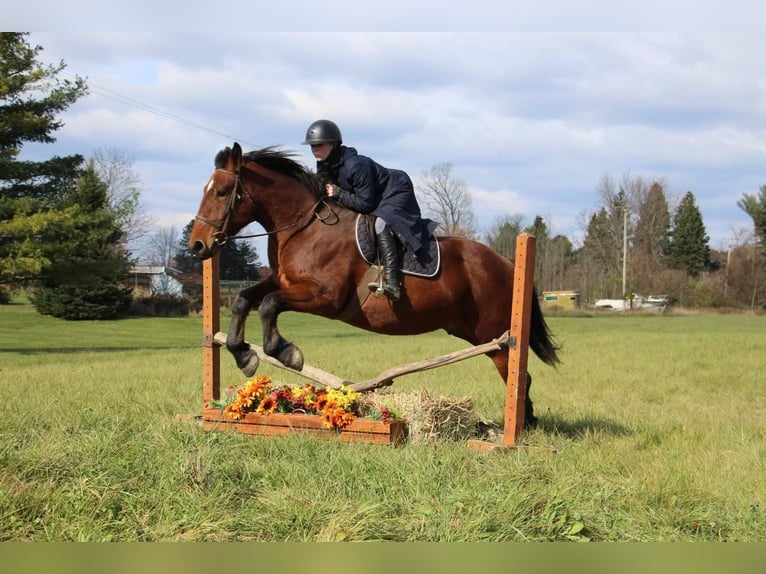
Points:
246	359
274	344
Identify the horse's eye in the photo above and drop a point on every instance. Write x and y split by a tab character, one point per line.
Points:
221	192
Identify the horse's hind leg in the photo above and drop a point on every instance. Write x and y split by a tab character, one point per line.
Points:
500	358
274	344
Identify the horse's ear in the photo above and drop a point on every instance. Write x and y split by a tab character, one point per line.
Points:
236	155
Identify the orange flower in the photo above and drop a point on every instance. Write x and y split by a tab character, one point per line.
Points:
268	405
233	411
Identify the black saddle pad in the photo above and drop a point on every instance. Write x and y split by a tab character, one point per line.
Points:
423	264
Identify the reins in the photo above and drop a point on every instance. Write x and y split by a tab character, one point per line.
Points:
302	219
220	236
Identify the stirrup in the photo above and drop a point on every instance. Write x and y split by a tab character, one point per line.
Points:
376	287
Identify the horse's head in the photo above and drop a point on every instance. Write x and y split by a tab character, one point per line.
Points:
219	216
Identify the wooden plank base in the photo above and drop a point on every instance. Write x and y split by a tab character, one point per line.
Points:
276	424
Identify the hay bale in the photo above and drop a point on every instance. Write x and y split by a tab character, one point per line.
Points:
433	418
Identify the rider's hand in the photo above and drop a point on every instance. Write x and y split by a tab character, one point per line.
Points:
332	190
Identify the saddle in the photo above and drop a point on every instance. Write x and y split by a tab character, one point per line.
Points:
425	263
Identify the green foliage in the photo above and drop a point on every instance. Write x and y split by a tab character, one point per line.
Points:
239	260
31	97
502	236
652	234
755	207
602	242
32	221
83	281
96	299
38	238
689	249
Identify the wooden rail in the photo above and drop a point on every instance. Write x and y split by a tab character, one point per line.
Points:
387	377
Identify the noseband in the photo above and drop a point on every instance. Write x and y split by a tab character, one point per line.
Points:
220	236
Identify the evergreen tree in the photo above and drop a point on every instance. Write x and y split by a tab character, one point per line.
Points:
239	261
540	230
83	282
652	233
32	223
601	243
689	249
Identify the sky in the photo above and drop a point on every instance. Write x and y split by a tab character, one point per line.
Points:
530	121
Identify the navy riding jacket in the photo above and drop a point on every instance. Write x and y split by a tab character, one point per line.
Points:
368	187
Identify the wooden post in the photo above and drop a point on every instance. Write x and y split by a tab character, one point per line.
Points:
516	384
211	324
518	350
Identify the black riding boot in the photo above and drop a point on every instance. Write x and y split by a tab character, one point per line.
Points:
390	258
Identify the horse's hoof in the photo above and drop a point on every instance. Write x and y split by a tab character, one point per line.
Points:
291	357
250	366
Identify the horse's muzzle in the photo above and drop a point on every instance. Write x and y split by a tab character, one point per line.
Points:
201	250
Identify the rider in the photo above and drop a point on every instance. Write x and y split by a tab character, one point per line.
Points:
362	185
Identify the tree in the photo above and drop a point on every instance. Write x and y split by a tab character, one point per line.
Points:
755	207
124	191
503	233
597	256
239	260
161	247
447	200
83	282
689	249
606	231
32	223
559	259
652	233
540	230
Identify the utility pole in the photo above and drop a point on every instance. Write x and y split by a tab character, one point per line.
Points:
624	249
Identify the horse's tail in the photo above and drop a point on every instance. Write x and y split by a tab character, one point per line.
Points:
540	336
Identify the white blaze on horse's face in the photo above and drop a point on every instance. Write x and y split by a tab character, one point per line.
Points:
209	185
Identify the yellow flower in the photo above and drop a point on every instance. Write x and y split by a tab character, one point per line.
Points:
344	397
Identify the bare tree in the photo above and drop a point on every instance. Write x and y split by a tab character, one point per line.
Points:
447	200
124	189
160	247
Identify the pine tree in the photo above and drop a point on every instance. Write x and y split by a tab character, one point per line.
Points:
32	223
84	280
239	261
652	234
689	249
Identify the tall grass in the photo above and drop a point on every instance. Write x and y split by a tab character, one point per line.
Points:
651	429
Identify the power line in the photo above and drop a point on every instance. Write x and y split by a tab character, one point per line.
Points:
110	94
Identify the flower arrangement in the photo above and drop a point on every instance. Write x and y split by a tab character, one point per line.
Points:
337	407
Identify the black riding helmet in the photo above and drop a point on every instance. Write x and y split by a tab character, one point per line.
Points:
323	131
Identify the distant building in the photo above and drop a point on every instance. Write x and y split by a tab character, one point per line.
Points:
561	299
151	281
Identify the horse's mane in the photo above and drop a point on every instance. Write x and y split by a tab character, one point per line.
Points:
276	160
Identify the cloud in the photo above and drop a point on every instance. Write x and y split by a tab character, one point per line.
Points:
531	121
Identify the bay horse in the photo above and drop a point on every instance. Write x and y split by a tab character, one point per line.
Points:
316	267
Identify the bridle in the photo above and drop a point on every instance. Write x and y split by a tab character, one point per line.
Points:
220	237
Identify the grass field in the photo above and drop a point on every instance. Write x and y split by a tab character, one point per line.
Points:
657	424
